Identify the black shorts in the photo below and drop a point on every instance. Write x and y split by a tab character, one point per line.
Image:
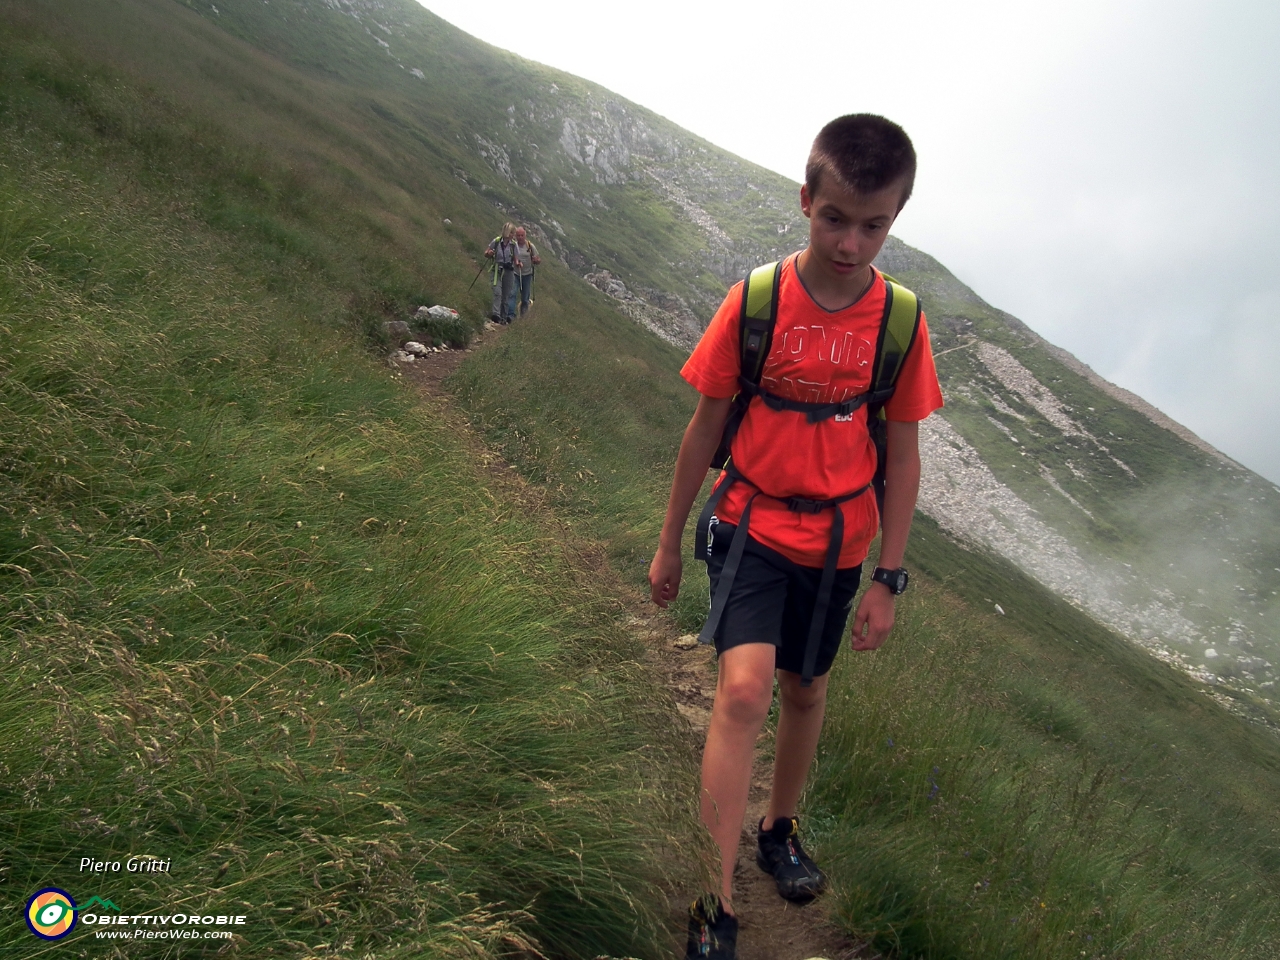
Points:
772	602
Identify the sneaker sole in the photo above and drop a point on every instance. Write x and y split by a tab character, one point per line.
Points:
800	890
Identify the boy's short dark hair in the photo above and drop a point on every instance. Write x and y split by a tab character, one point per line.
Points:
863	153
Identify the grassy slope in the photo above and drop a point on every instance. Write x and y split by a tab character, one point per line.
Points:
263	615
310	223
433	127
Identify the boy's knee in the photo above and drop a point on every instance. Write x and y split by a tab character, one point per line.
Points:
747	697
798	697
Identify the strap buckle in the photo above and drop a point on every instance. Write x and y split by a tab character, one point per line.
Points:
805	505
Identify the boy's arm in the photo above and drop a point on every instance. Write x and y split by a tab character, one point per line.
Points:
701	438
874	619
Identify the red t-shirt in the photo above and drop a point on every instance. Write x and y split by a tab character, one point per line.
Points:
817	356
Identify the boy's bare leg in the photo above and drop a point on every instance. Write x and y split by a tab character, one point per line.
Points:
800	715
744	691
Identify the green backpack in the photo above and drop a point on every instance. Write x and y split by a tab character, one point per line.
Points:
759	315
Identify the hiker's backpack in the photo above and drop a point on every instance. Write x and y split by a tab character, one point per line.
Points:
898	327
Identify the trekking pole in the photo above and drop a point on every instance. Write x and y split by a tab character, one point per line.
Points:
477	276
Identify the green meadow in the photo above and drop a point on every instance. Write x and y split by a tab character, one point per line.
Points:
265	612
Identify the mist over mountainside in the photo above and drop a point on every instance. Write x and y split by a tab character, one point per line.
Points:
1096	493
1084	486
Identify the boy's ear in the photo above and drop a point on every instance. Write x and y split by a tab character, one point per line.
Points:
806	201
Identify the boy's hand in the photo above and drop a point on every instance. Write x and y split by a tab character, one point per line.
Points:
489	253
874	619
664	577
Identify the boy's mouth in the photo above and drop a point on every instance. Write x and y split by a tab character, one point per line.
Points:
841	267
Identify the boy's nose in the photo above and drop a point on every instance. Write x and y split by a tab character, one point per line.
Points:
848	245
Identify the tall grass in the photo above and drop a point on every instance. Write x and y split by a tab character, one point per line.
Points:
263	616
972	815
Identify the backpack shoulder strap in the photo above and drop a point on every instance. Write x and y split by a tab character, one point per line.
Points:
898	332
755	334
756	321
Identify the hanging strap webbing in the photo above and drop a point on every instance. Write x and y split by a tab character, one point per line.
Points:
736	547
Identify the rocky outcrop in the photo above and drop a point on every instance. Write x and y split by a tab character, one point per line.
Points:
669	317
1135	402
1019	380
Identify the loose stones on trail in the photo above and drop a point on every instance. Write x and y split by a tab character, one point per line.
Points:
437	312
400	333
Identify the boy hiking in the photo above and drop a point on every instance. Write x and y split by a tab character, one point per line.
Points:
794	513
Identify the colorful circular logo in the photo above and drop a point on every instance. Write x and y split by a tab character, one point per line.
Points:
51	913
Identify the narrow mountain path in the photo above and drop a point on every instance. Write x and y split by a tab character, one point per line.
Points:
771	928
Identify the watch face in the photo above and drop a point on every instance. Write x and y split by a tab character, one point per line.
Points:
895	580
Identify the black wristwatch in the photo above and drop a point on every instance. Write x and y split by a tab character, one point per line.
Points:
895	580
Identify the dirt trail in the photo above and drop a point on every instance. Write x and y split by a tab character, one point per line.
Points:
770	928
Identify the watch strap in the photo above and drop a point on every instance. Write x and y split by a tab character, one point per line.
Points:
895	580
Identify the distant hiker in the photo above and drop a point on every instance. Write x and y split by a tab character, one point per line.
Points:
502	251
799	378
526	259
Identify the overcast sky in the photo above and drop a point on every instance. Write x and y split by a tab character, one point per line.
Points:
1108	172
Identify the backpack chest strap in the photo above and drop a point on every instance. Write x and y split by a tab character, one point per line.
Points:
814	412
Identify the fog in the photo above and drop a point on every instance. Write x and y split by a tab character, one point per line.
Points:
1107	172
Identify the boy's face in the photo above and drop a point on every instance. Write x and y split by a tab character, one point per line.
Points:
847	229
